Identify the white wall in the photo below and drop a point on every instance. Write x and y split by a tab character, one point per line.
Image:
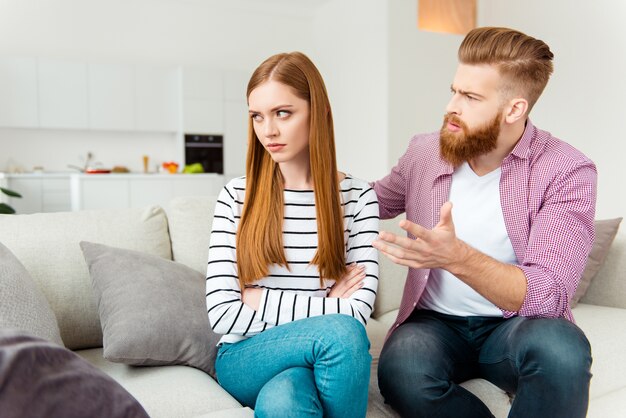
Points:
387	80
583	103
237	35
350	38
421	67
345	38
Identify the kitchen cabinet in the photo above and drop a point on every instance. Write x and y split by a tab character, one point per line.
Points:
63	94
116	191
40	192
202	101
18	92
235	85
203	116
158	98
236	121
111	97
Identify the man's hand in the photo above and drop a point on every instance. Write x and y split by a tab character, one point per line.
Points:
436	248
349	283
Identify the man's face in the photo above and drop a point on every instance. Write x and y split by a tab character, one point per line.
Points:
474	114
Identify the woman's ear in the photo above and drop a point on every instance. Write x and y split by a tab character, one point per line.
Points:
516	110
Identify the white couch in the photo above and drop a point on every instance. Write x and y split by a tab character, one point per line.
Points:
47	245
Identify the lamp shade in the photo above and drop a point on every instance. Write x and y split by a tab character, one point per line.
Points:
448	16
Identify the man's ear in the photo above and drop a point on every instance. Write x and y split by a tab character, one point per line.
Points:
517	109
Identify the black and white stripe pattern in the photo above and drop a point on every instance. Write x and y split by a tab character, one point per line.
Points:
290	293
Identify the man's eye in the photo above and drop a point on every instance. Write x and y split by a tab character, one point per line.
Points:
470	98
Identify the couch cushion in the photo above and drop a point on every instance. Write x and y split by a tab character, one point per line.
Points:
605	234
22	305
152	310
391	275
610	405
603	327
167	391
190	220
47	245
609	286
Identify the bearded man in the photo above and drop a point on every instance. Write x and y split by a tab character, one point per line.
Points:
500	222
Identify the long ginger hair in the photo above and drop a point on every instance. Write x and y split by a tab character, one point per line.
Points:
259	237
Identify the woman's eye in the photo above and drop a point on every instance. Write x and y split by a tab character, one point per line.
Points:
283	113
256	117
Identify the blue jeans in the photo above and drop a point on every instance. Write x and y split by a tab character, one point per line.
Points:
317	367
545	362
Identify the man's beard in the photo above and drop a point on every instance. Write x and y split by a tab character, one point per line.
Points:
456	148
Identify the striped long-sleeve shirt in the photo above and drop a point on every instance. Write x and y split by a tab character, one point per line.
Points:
290	293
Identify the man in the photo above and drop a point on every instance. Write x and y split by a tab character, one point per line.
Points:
500	223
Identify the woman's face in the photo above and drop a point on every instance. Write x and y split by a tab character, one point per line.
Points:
281	122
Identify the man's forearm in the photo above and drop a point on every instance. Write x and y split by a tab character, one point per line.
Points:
502	284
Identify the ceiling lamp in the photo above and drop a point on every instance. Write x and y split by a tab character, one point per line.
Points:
448	16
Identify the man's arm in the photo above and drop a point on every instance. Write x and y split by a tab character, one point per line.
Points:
391	190
440	248
546	277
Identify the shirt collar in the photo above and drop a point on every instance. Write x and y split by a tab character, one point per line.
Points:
522	148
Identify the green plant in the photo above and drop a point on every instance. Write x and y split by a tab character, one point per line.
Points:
4	208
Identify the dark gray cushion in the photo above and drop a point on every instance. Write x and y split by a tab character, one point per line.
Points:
22	304
152	310
41	379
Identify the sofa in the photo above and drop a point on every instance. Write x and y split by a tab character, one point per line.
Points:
48	246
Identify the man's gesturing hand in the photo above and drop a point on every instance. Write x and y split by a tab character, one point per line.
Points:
436	248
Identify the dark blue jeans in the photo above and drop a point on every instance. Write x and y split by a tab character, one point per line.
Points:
545	362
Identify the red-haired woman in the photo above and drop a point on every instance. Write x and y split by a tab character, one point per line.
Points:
292	274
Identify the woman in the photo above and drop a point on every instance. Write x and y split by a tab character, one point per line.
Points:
283	285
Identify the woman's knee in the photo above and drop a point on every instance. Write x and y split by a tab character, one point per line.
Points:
291	393
347	328
347	334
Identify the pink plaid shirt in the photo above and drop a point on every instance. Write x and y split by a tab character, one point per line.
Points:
548	195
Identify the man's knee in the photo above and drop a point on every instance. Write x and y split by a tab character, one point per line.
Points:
555	347
409	376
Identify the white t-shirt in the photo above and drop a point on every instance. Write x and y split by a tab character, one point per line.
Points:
478	220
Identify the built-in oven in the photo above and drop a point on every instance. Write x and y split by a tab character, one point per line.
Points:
207	150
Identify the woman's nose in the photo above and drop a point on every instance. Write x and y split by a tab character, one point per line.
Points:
270	129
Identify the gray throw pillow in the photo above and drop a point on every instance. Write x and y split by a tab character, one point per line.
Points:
152	310
606	230
22	304
42	379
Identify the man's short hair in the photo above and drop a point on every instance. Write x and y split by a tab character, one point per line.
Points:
525	63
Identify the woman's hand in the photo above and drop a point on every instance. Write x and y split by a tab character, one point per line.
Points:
252	297
349	283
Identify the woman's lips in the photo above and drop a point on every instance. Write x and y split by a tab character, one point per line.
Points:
275	147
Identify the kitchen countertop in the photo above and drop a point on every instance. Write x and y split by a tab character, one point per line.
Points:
63	174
